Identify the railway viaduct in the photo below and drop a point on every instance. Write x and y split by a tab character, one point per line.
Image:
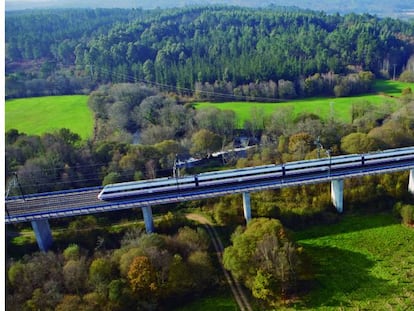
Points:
38	208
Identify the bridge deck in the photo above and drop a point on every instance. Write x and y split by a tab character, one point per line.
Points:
85	201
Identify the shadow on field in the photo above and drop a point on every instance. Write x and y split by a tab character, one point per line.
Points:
343	278
347	223
386	87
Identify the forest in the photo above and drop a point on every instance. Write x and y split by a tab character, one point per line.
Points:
143	71
231	51
381	8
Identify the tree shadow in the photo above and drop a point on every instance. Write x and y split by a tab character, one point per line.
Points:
347	223
387	87
342	279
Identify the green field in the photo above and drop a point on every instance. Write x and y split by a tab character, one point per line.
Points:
365	262
39	115
218	302
339	108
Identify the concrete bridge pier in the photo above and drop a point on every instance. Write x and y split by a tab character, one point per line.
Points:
337	194
43	234
411	182
148	220
246	206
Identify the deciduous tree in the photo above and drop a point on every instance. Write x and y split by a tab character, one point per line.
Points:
359	143
204	143
142	277
263	257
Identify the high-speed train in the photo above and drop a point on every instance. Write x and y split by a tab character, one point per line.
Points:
249	174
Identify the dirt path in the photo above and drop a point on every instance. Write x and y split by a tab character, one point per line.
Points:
235	286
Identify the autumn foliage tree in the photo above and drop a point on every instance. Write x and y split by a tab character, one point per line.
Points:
142	277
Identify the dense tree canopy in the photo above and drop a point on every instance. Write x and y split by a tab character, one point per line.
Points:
216	52
147	272
240	46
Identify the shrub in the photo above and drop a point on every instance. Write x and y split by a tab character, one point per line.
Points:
71	252
407	214
407	76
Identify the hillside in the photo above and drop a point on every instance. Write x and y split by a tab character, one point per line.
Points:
397	8
210	50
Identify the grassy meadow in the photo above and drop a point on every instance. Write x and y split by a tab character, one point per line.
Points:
39	115
218	302
339	108
366	262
